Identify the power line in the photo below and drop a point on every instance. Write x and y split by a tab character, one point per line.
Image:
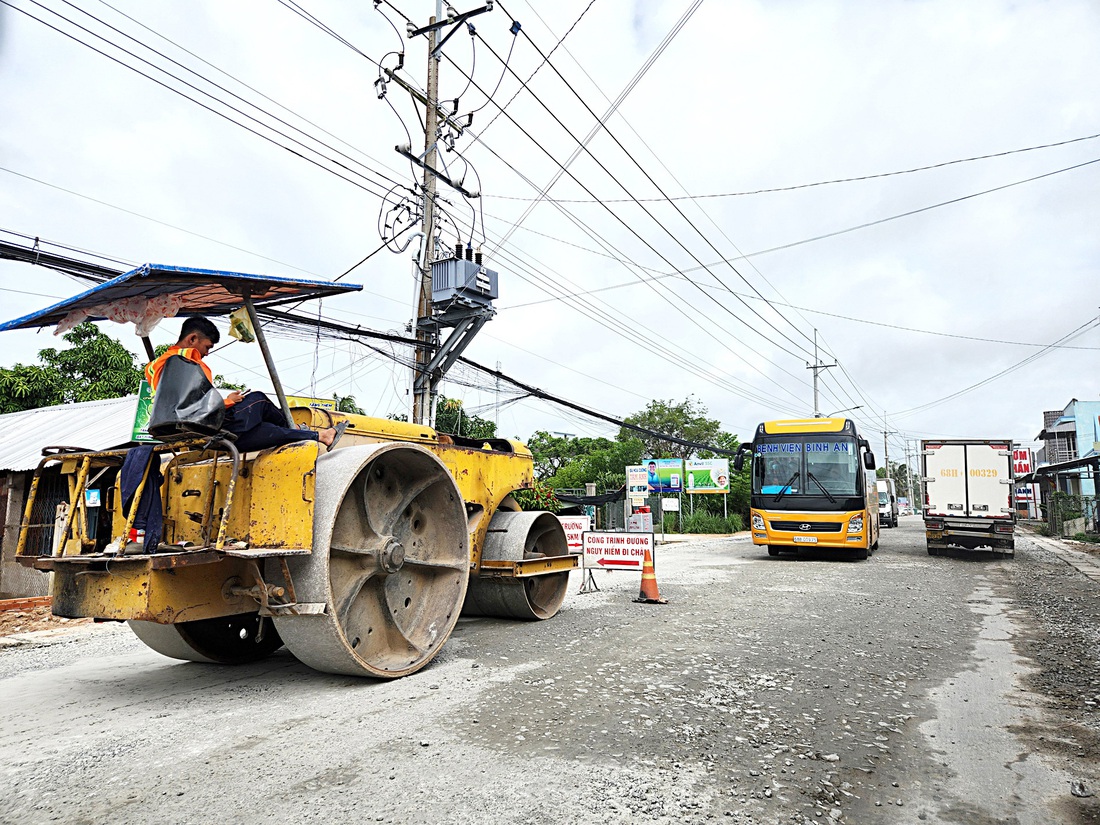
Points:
580	306
671	234
1091	323
245	85
796	187
197	102
617	217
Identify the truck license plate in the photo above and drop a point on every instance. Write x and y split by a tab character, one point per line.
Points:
806	539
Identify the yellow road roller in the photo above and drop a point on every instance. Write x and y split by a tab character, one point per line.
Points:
359	559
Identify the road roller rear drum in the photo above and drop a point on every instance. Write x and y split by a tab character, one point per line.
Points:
515	536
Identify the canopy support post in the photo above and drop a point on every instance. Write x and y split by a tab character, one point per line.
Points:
262	341
149	348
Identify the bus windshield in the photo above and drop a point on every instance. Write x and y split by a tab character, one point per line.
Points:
817	465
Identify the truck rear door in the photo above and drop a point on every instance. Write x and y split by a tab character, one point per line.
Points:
945	469
989	480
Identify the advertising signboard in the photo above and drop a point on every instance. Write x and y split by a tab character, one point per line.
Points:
616	551
141	414
707	475
574	527
1026	500
1021	461
664	475
637	488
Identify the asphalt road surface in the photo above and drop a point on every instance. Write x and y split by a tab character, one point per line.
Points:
901	689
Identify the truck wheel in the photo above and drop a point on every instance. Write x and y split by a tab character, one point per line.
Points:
933	551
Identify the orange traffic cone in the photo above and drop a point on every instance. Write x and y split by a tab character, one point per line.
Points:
649	594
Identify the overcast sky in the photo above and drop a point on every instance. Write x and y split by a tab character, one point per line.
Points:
715	296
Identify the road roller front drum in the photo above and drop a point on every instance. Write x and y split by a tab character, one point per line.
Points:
390	563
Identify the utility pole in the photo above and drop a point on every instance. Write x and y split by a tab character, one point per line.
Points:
496	411
816	367
920	477
426	338
433	358
909	473
886	433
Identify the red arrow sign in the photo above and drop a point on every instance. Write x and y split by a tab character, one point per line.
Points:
619	563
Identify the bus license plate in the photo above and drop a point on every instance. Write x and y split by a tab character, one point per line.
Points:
805	539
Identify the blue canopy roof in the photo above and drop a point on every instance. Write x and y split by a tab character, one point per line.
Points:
203	292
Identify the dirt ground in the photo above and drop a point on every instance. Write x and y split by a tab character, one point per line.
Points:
32	619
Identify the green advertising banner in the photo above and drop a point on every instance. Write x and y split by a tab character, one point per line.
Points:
141	414
707	475
664	475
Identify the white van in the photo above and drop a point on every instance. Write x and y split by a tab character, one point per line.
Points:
887	502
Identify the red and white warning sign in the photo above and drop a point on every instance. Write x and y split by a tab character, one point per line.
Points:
574	526
616	551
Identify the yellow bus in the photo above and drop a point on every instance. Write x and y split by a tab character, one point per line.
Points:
813	485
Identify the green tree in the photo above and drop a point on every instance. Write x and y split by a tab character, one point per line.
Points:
96	366
605	466
451	418
346	404
553	453
686	420
900	474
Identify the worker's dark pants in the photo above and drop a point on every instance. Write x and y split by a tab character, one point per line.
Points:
259	424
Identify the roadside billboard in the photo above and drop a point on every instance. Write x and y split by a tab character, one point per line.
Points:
664	475
707	475
637	488
144	406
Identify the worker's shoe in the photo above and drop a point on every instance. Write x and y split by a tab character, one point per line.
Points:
134	548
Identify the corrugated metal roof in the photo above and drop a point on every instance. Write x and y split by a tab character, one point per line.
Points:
93	425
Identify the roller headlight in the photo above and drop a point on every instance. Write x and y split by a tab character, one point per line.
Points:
855	524
757	521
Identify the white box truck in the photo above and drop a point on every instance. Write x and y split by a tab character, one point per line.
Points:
887	502
968	487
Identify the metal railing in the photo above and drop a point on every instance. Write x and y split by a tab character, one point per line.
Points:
1068	514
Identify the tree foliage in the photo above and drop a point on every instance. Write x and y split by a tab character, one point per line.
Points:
346	404
900	474
94	367
604	466
552	452
450	417
571	463
686	420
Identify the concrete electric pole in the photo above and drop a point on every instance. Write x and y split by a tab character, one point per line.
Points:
421	409
433	358
816	367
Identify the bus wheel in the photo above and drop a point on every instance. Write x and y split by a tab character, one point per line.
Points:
773	551
860	553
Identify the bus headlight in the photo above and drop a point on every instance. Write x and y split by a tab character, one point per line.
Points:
757	521
855	524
